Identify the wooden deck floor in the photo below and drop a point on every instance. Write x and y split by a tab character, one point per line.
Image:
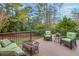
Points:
51	48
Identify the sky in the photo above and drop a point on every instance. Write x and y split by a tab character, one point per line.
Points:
65	10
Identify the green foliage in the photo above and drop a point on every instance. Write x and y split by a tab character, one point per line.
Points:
14	19
4	22
21	15
17	17
66	25
39	28
18	41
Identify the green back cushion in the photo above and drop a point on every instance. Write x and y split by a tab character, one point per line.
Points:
48	32
71	35
5	42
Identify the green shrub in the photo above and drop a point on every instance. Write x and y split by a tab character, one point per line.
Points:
66	25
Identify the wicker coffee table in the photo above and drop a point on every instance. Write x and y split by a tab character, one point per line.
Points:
31	47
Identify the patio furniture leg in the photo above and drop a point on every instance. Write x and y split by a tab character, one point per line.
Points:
50	38
75	43
44	38
60	42
31	51
37	49
70	46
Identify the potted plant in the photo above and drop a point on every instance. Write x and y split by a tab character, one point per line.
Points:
57	34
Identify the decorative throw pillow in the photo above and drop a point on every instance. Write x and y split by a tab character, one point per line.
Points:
5	42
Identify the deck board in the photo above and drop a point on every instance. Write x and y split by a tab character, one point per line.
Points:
51	48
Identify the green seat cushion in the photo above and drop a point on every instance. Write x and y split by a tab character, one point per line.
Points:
15	47
5	42
18	50
66	39
47	35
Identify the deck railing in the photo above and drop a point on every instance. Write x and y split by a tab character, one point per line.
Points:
16	35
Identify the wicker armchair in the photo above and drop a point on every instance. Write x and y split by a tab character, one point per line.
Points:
69	40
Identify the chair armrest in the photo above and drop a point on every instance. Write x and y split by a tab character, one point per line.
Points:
62	37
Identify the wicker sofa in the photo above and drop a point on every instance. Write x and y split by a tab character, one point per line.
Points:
8	48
